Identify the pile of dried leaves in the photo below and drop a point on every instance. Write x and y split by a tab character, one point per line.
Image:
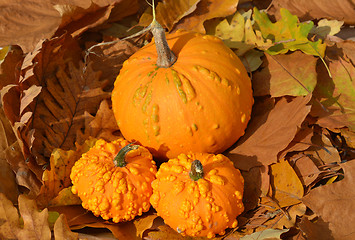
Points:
296	156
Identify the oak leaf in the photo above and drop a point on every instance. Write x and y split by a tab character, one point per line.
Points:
57	177
335	203
269	133
35	223
288	34
62	230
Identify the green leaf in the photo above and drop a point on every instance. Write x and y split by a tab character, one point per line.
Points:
288	34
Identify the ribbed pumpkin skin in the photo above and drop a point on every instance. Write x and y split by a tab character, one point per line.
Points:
120	193
198	208
202	103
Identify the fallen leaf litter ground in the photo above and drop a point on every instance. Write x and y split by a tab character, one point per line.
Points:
296	155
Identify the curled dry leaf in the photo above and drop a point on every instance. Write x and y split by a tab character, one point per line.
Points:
316	9
270	133
335	203
286	75
306	169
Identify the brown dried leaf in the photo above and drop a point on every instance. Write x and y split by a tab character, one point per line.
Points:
144	223
342	10
270	133
35	223
79	16
68	96
301	141
323	152
306	169
108	59
277	78
24	23
337	94
206	9
289	221
166	232
58	177
335	203
8	184
316	230
62	230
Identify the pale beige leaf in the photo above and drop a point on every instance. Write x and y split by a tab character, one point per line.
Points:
35	222
9	218
62	230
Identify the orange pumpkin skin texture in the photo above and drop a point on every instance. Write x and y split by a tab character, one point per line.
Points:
202	103
198	208
120	193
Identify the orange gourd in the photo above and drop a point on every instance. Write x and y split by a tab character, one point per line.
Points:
198	194
200	101
113	179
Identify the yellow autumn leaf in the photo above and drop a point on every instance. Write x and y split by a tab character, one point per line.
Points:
286	187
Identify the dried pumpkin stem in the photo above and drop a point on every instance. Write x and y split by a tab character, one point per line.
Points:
166	57
120	159
196	171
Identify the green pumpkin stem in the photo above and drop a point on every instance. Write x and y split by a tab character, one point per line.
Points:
196	171
166	57
120	159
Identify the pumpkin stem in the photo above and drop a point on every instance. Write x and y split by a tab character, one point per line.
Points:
196	171
166	57
120	159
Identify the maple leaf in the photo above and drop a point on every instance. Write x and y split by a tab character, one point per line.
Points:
286	75
288	34
335	203
269	133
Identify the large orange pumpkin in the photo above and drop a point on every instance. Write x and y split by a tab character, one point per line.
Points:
201	103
